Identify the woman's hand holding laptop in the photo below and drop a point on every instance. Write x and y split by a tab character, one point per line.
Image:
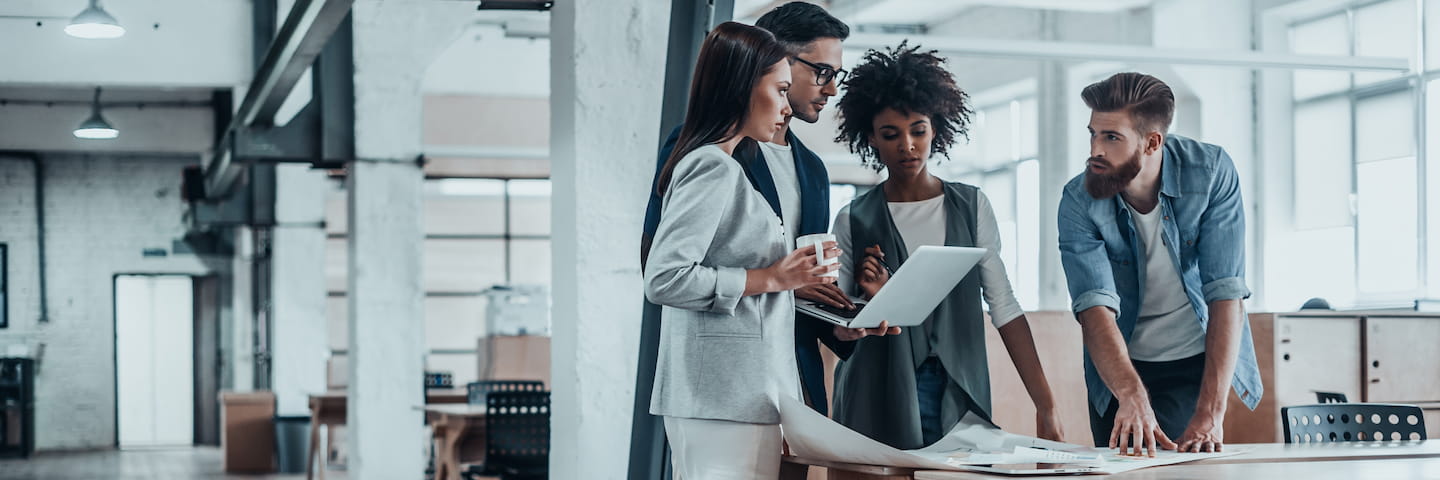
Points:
830	294
853	334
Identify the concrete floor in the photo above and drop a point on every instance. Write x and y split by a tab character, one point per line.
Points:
178	463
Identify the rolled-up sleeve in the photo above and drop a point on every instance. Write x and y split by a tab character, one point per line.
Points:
1096	298
677	274
1220	238
1082	254
994	282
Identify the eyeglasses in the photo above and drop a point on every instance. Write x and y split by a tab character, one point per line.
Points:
824	74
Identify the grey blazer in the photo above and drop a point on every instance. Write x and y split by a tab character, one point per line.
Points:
713	361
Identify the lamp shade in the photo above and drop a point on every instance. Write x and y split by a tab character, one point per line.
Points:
95	127
94	22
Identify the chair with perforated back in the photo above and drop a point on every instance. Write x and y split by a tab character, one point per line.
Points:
475	392
517	436
1352	422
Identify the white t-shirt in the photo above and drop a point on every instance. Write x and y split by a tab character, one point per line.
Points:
923	223
781	160
1167	328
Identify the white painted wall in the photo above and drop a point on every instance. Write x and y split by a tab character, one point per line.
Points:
483	62
607	62
101	212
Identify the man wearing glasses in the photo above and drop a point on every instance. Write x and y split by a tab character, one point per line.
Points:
793	179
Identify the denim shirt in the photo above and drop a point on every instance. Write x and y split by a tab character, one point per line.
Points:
1203	223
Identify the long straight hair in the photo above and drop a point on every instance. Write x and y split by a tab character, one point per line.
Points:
732	60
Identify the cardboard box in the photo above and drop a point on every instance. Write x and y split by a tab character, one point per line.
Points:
247	432
516	357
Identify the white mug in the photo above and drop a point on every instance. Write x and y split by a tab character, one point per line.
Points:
818	241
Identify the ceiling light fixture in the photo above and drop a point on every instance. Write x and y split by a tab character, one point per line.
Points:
94	22
95	127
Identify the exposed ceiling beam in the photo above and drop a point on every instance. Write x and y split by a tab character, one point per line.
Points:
1131	54
306	30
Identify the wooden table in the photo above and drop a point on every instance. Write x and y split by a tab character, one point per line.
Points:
459	432
1256	454
329	409
1403	468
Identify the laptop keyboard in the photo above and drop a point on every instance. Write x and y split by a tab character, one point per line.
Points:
841	311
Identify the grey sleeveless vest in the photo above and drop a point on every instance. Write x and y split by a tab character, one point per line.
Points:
875	391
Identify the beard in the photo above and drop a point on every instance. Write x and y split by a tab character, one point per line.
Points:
1106	185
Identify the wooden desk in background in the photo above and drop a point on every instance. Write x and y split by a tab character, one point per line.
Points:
459	435
329	409
1258	458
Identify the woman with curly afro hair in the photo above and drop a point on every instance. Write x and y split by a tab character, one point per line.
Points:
900	108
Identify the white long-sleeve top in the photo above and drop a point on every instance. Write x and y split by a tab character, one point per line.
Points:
923	223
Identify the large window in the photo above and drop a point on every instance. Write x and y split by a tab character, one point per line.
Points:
479	233
1358	192
1001	159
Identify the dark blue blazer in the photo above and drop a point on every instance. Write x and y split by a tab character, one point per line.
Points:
814	218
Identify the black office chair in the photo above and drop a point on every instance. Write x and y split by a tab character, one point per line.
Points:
475	392
1352	422
1330	397
517	437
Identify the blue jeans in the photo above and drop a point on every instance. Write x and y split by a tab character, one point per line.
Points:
930	382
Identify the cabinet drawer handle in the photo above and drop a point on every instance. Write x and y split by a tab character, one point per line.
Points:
1374	380
1375	363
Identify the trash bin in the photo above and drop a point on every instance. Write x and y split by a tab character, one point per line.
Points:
292	442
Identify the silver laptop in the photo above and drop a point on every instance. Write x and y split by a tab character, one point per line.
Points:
911	294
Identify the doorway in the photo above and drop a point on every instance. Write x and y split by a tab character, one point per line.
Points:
154	360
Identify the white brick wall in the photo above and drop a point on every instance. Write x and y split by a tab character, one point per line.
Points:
101	212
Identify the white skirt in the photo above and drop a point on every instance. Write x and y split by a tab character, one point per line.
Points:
703	449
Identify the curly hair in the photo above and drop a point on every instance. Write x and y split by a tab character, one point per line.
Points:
908	80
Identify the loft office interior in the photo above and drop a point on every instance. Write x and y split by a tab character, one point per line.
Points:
220	201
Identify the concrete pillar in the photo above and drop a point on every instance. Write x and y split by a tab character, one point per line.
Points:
239	338
386	321
1055	157
394	44
607	71
299	334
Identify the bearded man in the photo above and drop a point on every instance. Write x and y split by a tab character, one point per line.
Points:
1152	239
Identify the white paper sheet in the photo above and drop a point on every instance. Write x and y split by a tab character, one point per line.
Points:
1026	455
1115	463
813	436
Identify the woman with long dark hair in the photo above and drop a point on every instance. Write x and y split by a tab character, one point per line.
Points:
901	106
722	269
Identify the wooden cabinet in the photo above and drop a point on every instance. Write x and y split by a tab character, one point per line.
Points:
1369	357
1402	360
1315	353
